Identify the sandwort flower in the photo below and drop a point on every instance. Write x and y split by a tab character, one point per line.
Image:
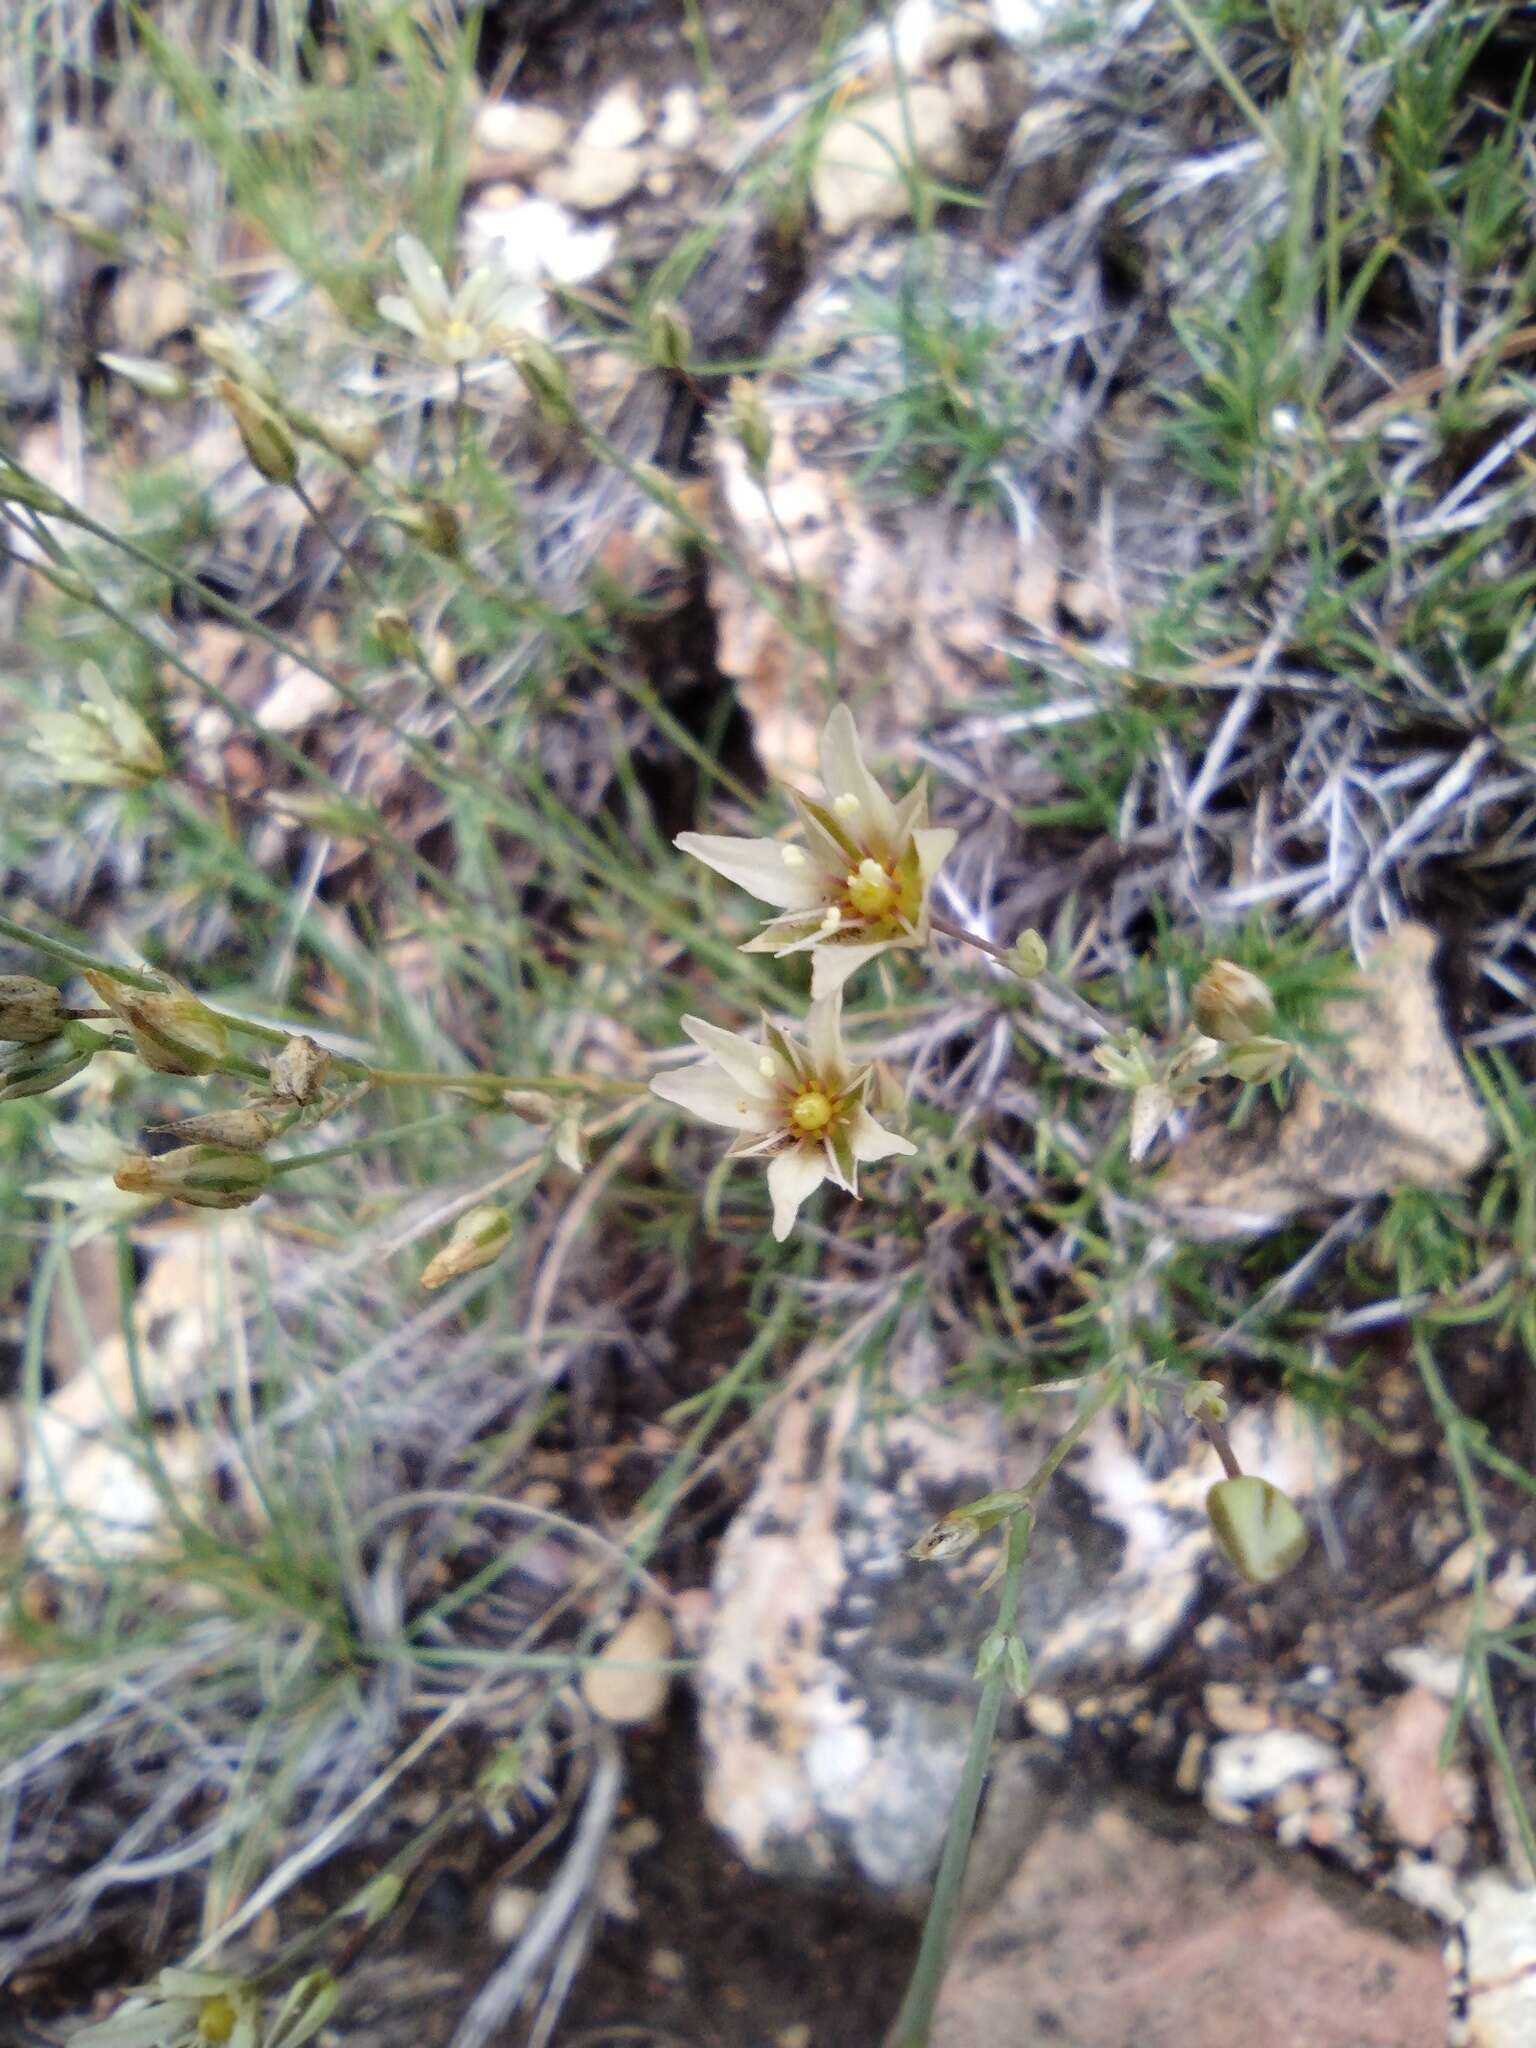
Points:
859	885
800	1107
455	327
182	2009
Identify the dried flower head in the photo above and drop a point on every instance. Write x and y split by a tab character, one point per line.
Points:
1232	1004
102	742
859	885
171	1031
30	1010
297	1073
800	1107
456	327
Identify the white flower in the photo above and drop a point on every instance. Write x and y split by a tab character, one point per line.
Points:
103	742
181	2009
861	882
801	1107
456	327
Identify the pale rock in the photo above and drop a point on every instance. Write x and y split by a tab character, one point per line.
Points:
1499	1929
616	1686
537	240
1243	1768
593	179
682	118
616	122
512	1907
298	698
522	136
1392	1107
866	153
148	307
1400	1758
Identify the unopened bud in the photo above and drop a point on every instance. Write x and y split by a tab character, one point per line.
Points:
433	523
1256	1527
479	1237
102	742
396	633
30	1010
545	377
265	439
201	1176
238	1130
34	1069
668	337
1126	1061
571	1147
377	1899
232	356
1029	955
304	2011
353	438
750	424
162	381
1259	1059
17	488
1232	1004
173	1033
1204	1397
296	1073
443	661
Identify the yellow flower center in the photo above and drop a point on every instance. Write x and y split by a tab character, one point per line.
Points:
216	2018
812	1111
871	891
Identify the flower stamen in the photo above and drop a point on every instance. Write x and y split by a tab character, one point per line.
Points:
871	890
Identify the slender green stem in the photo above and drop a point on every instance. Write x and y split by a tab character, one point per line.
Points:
371	1143
1206	44
76	956
338	541
916	2017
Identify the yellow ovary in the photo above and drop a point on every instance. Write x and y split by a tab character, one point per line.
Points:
812	1111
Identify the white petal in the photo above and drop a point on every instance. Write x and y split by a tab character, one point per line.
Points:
872	1141
831	966
791	1177
824	1038
934	844
423	279
739	1056
757	865
844	774
705	1092
403	313
912	811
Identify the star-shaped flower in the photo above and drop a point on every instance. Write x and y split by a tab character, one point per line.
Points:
457	327
860	883
800	1107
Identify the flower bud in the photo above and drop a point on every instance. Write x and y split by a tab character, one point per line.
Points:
750	424
102	742
304	2011
1256	1527
295	1074
238	1130
18	488
30	1010
201	1176
172	1032
233	357
267	442
353	438
396	633
1204	1397
544	375
1232	1004
1029	955
433	523
479	1237
34	1069
668	337
571	1146
1259	1059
